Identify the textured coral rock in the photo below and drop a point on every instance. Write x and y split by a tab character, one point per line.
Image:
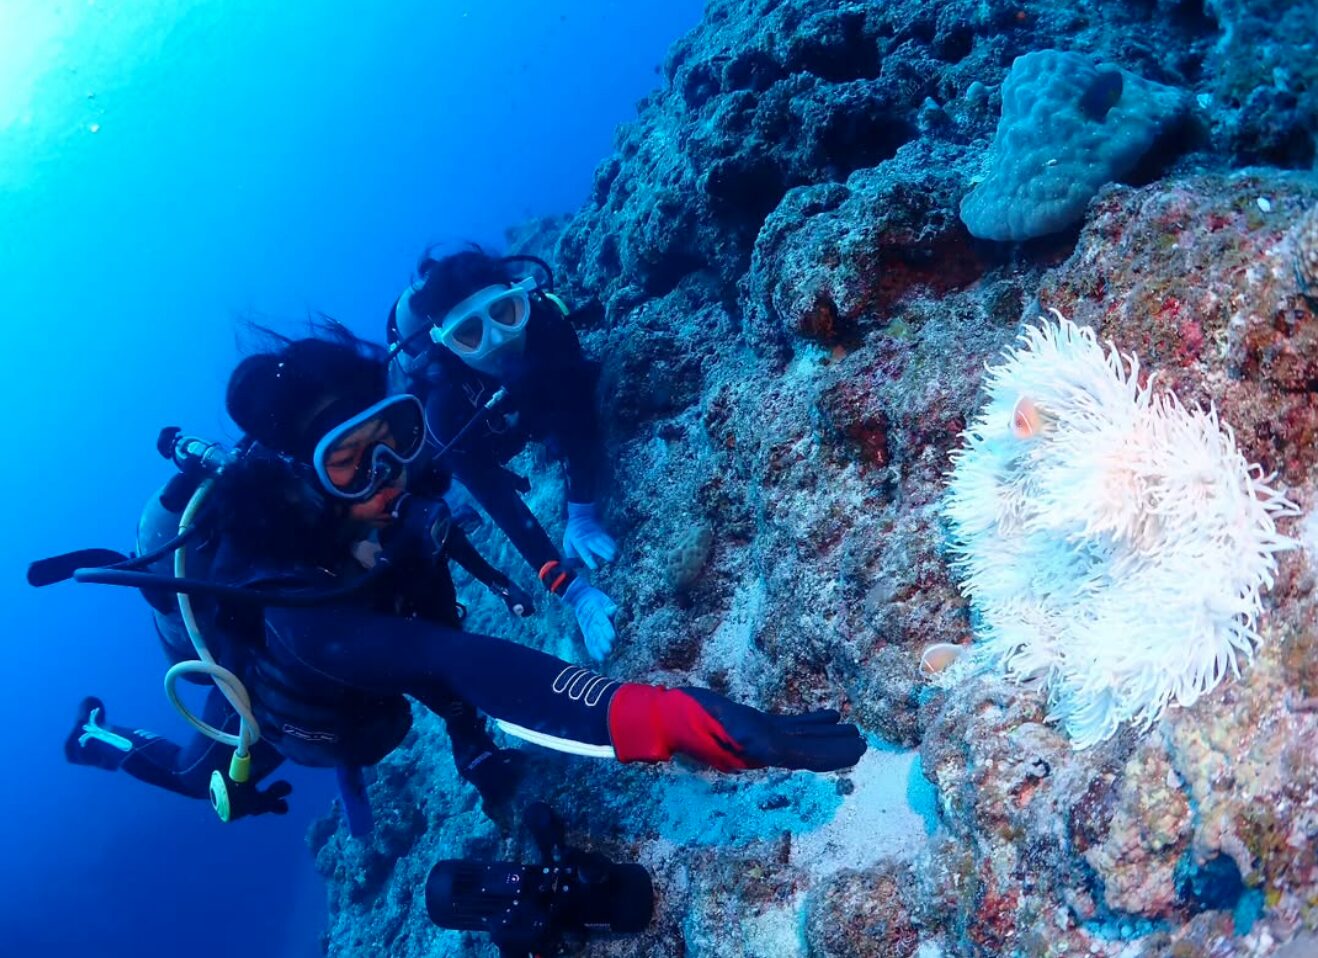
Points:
1131	829
862	915
1192	275
1068	127
1305	238
833	258
766	95
792	324
1260	78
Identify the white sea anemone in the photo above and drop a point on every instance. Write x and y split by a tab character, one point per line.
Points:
1112	542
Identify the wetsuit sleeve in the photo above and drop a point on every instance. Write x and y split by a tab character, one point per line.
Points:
336	647
461	551
575	427
546	700
494	487
496	490
578	435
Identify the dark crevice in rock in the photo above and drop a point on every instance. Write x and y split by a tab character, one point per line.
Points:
609	259
662	278
862	137
1213	885
1180	137
955	43
753	70
698	86
745	189
1190	66
922	29
839	51
1190	17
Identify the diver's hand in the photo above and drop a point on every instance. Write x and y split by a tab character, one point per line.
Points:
234	800
585	538
517	601
594	611
652	724
496	774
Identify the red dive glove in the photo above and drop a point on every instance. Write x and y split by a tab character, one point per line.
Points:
650	723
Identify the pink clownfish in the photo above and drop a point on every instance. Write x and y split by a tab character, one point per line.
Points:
939	657
1027	420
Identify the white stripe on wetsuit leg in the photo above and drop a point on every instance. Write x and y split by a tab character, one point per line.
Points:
553	741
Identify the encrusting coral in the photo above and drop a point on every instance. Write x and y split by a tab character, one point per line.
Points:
1306	253
1113	543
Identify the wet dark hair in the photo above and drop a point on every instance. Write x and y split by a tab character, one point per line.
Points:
270	509
274	395
448	280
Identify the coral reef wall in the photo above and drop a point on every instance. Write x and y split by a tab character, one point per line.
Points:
793	323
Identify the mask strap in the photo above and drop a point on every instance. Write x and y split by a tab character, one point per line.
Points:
548	284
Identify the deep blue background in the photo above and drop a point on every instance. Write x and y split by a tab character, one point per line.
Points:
164	168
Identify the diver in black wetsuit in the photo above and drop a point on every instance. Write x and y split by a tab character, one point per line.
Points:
493	356
316	501
426	591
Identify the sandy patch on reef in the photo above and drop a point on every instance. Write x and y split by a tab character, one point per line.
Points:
889	815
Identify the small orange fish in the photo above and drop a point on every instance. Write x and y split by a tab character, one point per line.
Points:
1027	419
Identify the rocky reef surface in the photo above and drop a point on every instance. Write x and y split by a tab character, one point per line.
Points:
793	323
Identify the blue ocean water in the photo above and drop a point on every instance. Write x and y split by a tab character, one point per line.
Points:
165	168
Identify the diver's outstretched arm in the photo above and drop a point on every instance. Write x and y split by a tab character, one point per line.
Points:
548	701
461	551
495	490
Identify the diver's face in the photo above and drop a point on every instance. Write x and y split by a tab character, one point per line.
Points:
349	457
375	511
487	329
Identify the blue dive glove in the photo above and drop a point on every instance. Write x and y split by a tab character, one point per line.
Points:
595	612
585	538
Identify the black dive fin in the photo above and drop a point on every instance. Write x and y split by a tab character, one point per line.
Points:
61	568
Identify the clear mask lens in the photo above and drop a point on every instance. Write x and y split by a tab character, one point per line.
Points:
469	332
505	312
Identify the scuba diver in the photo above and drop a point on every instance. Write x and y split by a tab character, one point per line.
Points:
189	770
497	364
307	581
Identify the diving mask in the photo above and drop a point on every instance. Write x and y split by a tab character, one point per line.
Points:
366	452
486	322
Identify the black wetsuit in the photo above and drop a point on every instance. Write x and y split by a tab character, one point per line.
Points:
186	770
328	681
308	716
550	399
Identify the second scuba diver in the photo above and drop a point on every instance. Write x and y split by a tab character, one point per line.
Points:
497	364
299	564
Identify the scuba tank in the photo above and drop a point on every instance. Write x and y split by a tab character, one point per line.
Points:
172	519
158	524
